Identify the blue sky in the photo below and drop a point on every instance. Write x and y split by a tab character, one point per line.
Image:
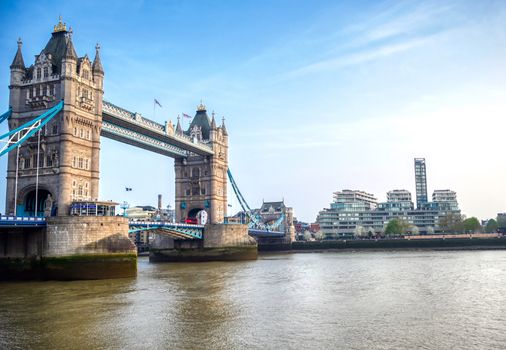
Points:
318	96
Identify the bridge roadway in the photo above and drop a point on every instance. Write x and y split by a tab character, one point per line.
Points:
177	231
132	128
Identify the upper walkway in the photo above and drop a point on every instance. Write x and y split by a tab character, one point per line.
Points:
132	128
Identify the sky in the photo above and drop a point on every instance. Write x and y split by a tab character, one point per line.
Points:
317	96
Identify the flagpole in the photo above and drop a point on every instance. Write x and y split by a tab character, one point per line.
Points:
154	104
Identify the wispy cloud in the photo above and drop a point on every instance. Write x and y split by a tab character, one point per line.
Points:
361	57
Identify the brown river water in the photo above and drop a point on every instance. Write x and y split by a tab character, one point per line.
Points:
346	300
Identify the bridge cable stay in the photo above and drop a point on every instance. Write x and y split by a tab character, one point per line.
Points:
6	115
255	220
18	136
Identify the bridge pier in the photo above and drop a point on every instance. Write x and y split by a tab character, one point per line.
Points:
220	242
69	248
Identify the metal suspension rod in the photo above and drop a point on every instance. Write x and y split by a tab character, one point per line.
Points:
16	184
37	174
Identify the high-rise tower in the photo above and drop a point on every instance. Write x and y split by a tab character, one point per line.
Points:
421	182
68	156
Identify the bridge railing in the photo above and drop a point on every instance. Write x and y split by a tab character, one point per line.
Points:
22	218
163	223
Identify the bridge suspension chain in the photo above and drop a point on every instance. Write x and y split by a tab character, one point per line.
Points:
255	220
18	136
6	115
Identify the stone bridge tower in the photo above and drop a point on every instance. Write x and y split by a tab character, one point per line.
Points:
201	181
68	155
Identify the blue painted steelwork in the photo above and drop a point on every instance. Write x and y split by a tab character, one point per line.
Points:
19	135
265	234
22	221
178	231
132	128
6	115
255	220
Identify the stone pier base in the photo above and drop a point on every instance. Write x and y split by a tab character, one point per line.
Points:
221	243
69	248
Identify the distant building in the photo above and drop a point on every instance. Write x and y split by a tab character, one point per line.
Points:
141	213
353	200
420	182
353	209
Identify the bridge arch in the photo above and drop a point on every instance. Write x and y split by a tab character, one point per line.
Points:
26	204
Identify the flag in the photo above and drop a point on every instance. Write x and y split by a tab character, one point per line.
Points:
128	189
186	116
158	103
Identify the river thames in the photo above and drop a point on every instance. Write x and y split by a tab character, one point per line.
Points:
345	300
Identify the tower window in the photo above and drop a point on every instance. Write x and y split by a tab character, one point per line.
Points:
46	72
86	74
38	73
55	129
49	161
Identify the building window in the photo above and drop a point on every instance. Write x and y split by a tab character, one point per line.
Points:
46	72
52	90
80	163
75	131
55	129
81	133
74	163
49	161
196	172
86	164
86	74
34	160
41	90
38	73
202	190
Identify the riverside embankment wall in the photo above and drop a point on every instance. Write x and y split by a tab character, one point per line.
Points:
358	244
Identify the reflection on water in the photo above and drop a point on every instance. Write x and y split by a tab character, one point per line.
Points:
365	300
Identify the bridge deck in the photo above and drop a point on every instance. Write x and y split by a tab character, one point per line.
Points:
21	221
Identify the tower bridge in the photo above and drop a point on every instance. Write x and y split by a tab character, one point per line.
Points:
56	119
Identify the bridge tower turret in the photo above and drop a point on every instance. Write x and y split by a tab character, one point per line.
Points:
201	181
68	168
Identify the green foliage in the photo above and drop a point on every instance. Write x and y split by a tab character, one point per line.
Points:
396	227
471	225
451	222
491	226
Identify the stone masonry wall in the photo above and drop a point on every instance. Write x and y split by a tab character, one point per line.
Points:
221	235
87	235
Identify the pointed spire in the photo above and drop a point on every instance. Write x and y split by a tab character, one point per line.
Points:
70	52
60	27
223	126
97	64
18	61
201	107
213	122
179	130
